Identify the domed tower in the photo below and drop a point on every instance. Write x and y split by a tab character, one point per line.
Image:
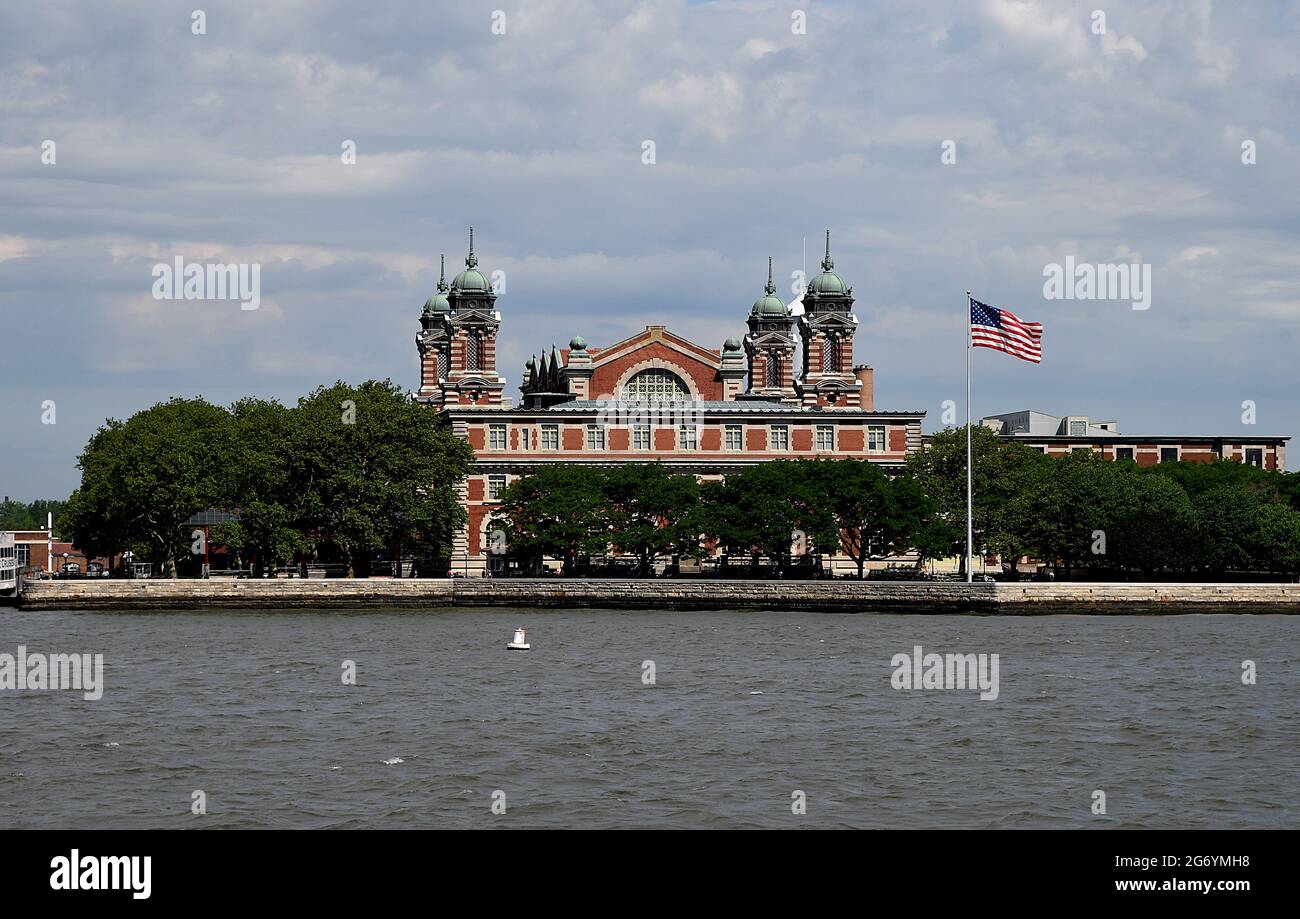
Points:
826	327
472	323
433	341
770	347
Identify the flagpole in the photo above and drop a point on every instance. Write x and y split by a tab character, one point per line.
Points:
970	559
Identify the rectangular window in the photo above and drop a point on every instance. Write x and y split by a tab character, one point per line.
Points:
825	437
735	437
1078	428
1168	454
550	437
641	437
1255	456
780	439
875	438
688	436
496	436
595	437
496	485
525	439
1123	453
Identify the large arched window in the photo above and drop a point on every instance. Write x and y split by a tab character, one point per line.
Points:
656	385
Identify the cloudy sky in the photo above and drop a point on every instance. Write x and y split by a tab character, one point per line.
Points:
226	146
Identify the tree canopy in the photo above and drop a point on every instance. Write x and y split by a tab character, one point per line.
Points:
359	468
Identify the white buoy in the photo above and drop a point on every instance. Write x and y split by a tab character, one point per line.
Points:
520	643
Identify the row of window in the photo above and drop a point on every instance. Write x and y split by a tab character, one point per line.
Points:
1254	455
688	437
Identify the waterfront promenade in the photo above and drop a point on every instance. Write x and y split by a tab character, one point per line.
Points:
840	596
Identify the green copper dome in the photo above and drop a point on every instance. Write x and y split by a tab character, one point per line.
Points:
828	282
769	306
438	303
471	280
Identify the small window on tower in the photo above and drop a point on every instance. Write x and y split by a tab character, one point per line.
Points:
773	371
474	351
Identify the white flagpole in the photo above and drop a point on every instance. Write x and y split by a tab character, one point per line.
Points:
970	559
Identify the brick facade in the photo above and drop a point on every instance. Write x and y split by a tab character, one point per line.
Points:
656	396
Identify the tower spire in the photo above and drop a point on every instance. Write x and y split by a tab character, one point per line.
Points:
472	262
771	288
827	263
442	275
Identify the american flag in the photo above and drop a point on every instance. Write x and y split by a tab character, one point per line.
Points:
1003	330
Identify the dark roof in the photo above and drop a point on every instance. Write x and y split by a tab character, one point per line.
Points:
212	517
738	407
1125	439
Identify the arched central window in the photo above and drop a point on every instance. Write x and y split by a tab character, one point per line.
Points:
655	386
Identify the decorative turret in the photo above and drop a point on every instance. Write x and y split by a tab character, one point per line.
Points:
471	321
437	305
770	346
826	328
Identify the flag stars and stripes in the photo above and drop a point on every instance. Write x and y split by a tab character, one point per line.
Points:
1002	330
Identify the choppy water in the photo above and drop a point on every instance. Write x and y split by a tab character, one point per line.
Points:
747	708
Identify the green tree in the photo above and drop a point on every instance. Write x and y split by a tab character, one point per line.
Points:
369	467
651	511
854	506
262	486
142	478
20	515
759	510
1002	474
556	511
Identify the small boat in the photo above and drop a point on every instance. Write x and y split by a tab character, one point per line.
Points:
520	643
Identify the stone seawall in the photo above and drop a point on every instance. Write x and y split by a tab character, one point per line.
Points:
829	596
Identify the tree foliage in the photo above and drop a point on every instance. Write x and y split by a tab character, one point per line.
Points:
359	468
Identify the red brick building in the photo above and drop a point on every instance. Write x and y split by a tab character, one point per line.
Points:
654	396
1058	434
37	553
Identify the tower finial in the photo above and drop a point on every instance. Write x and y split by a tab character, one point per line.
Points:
771	288
442	275
470	260
827	264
